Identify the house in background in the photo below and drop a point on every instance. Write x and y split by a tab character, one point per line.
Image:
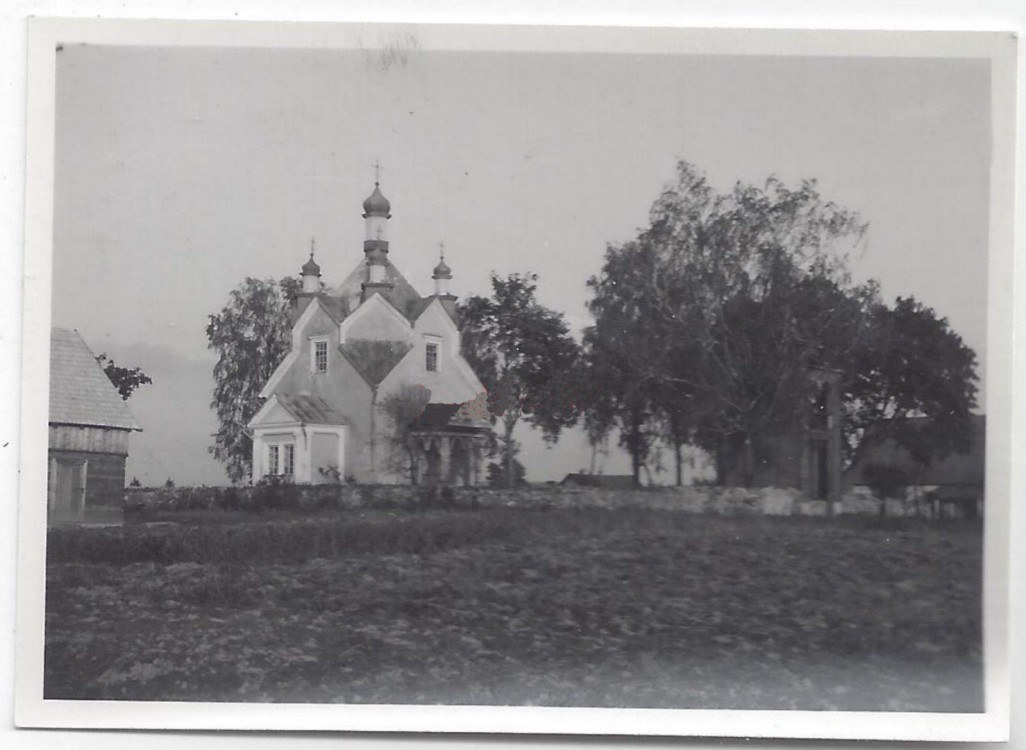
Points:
953	486
89	429
374	389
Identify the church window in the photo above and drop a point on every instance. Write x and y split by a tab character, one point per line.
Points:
320	355
281	459
431	357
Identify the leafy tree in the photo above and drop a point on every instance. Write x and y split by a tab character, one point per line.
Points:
251	336
497	474
401	408
523	354
884	481
912	365
125	379
624	362
709	324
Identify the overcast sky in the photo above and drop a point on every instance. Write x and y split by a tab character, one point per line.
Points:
180	171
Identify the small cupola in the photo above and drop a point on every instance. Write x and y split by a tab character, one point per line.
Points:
442	275
311	273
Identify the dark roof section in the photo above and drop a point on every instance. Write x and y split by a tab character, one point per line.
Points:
80	391
416	308
435	416
957	469
402	295
312	409
335	307
605	481
374	359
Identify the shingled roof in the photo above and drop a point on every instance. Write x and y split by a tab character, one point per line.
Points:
312	409
80	392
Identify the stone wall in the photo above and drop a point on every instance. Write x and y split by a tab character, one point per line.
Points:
713	500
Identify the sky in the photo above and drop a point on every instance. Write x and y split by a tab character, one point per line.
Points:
180	171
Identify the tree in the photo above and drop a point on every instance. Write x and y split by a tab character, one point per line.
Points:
524	355
913	365
497	474
884	481
125	379
709	324
251	336
401	408
729	302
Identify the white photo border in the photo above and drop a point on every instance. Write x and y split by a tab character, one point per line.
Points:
31	710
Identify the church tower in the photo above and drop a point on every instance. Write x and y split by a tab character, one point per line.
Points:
442	275
376	213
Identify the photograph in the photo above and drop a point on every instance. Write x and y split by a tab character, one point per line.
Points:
408	366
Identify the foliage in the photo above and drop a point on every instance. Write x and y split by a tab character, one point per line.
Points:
709	324
496	475
885	480
523	354
401	408
583	607
251	336
912	365
125	379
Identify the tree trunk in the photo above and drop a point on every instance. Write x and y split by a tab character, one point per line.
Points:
509	425
883	507
749	463
680	463
636	447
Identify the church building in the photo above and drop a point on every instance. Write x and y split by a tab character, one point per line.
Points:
374	389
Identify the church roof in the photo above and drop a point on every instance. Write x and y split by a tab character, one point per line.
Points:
80	391
402	295
374	359
312	409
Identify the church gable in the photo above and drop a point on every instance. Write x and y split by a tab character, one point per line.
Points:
376	320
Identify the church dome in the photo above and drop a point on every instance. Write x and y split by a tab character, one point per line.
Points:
310	268
376	204
442	271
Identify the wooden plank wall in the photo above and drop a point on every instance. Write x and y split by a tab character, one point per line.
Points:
88	439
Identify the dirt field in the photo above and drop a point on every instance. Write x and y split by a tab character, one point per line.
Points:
588	608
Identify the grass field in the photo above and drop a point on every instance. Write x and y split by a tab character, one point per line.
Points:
590	608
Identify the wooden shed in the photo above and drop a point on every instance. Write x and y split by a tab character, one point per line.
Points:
89	429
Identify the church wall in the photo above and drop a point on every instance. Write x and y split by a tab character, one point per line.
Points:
341	384
451	384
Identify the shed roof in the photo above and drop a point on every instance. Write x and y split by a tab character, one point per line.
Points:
80	391
312	409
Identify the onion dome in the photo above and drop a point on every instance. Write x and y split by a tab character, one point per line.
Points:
310	268
376	204
442	271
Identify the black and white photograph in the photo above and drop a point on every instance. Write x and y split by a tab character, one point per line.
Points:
428	367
